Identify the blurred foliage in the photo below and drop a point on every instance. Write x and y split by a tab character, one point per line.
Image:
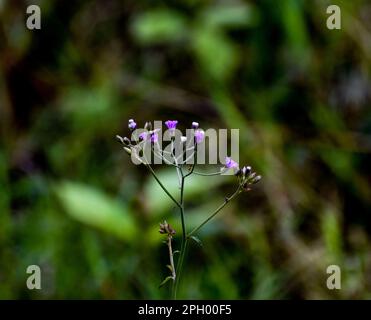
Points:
72	202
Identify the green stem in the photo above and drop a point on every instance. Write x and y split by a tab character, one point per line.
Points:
162	186
227	199
180	266
184	240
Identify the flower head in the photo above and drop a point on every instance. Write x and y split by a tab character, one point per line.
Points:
171	124
132	124
230	163
143	136
199	135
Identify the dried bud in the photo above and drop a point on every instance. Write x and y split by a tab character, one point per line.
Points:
166	228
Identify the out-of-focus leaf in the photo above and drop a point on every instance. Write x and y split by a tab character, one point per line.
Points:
217	56
94	208
231	15
85	106
159	26
331	233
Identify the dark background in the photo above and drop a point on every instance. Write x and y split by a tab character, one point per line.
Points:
72	202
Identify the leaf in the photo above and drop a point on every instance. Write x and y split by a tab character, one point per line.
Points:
92	207
159	26
197	240
236	15
165	281
169	267
216	54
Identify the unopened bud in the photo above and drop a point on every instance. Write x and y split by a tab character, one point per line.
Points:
256	179
126	141
128	150
132	124
148	126
119	138
246	171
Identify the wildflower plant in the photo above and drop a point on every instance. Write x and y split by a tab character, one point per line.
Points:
144	145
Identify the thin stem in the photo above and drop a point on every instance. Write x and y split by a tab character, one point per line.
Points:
210	174
161	185
194	162
227	199
171	256
184	238
180	267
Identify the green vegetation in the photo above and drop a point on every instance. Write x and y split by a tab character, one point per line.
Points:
73	203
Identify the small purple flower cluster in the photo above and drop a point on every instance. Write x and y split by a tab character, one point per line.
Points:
199	134
245	174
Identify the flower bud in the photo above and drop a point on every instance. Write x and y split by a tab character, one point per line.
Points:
132	124
256	179
126	141
119	138
246	170
252	175
239	172
195	125
128	150
148	126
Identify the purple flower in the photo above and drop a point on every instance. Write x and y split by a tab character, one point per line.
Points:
154	137
199	135
171	124
230	163
132	124
143	136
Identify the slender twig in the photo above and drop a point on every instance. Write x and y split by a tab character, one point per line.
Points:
161	185
227	199
194	162
184	238
180	266
210	174
171	257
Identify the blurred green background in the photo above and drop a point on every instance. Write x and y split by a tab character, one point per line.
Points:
72	202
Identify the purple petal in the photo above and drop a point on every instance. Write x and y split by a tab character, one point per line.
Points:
199	136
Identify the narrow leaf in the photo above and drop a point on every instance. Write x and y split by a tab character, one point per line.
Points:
165	281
